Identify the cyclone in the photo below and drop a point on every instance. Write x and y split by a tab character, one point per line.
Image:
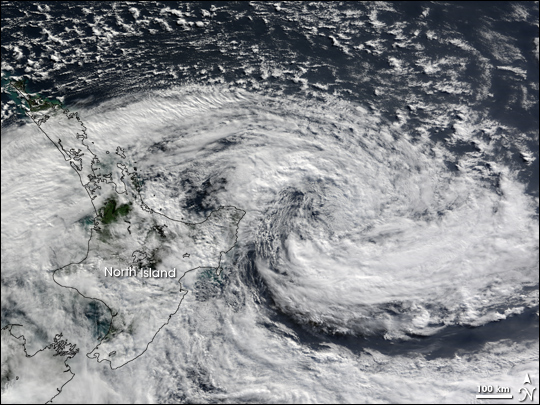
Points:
353	226
343	196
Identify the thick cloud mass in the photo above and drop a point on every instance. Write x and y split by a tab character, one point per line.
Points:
355	227
385	153
352	228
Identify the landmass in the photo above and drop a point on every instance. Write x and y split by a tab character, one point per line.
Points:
126	232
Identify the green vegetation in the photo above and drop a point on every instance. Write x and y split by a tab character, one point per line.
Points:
38	103
110	213
35	102
19	84
13	94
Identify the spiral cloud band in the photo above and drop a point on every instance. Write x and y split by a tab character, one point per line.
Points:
357	228
352	227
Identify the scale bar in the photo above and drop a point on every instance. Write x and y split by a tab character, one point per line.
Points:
502	396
